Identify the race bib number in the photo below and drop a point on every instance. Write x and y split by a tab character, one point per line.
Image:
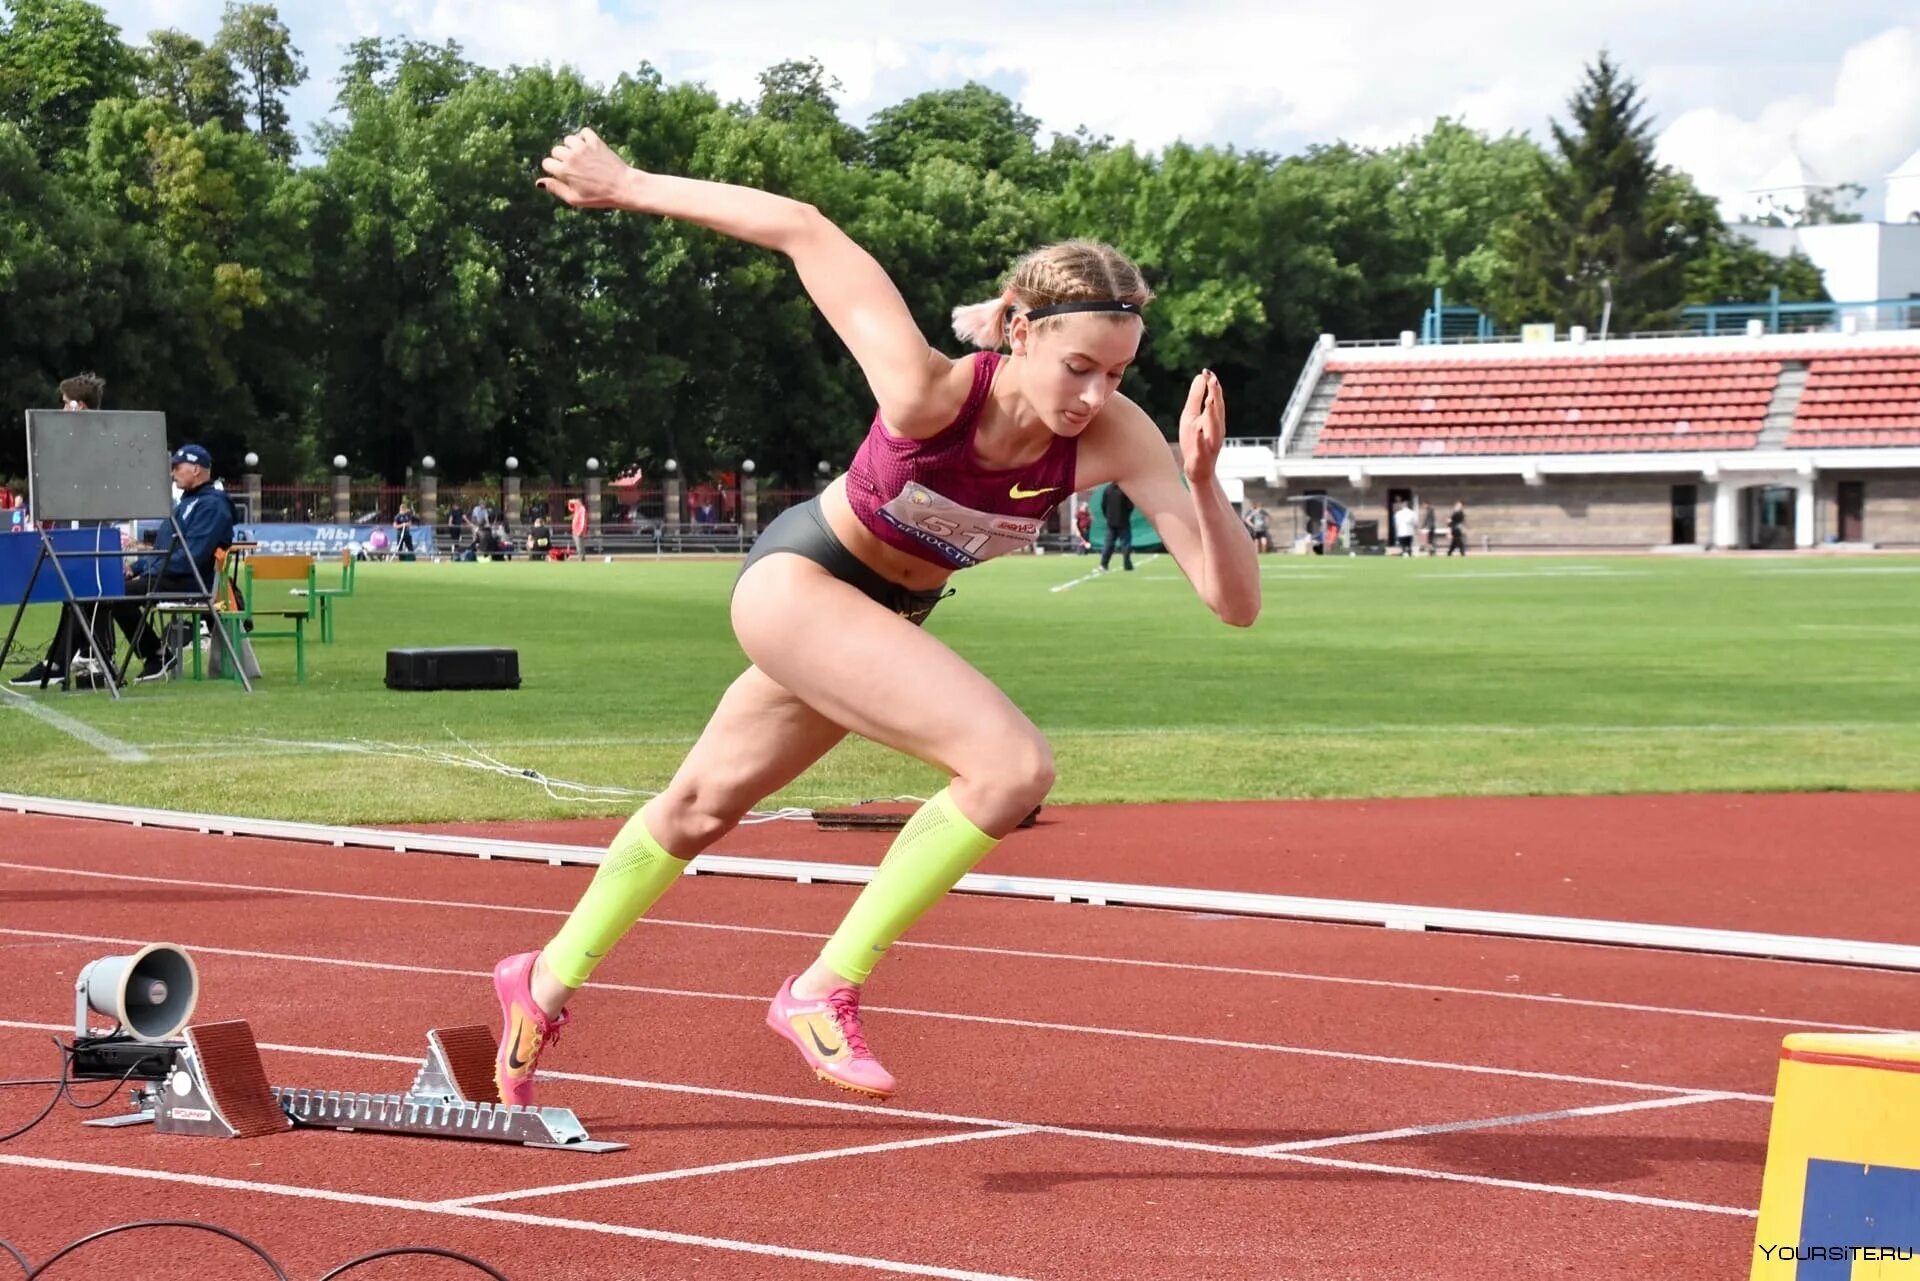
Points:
961	535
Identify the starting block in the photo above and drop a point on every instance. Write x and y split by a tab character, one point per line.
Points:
1841	1195
218	1089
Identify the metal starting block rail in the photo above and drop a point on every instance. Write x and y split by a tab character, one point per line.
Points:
219	1089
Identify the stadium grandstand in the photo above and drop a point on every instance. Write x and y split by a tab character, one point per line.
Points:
1755	440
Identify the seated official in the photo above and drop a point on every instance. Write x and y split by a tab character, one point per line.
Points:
205	517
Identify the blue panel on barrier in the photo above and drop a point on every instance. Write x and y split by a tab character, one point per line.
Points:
1851	1207
90	575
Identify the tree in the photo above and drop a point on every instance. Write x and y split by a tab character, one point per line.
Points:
57	59
1450	189
800	93
194	80
972	125
1822	206
254	39
1723	267
218	230
63	274
424	74
1595	225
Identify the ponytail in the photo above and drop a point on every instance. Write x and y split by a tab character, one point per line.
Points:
984	324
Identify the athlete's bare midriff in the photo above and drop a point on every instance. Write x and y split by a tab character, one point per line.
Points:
889	562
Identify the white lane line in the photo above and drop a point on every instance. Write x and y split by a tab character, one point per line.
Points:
730	1167
1862	629
1016	953
1518	1185
1100	1136
1837	569
66	724
1447	576
1102	573
498	1216
1033	1025
1495	1122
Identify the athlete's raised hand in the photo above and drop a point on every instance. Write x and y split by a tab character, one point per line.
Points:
585	172
1203	427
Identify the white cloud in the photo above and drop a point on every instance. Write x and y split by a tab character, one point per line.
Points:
1863	124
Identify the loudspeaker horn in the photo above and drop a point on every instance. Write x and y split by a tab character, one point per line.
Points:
150	994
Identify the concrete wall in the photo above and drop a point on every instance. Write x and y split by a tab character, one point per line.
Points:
1615	511
1892	516
1602	511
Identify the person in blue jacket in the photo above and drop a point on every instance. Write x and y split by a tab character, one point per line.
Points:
205	517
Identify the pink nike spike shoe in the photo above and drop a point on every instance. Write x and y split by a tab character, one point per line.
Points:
525	1029
827	1034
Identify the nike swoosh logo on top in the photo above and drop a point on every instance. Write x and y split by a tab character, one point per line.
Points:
1017	492
825	1052
514	1061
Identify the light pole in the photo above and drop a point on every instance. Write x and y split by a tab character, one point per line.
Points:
670	508
252	483
512	502
749	503
593	501
429	495
823	476
342	491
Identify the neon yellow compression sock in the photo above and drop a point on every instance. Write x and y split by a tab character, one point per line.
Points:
933	851
631	879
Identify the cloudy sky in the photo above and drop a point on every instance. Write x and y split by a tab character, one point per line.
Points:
1735	87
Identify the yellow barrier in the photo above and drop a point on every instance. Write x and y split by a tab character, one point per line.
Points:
1841	1199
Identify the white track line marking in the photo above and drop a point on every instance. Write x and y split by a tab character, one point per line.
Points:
1518	1185
66	724
1018	953
1102	573
729	1167
1496	1122
1032	1025
1100	1136
1837	569
498	1216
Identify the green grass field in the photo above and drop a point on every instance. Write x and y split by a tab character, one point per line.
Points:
1364	677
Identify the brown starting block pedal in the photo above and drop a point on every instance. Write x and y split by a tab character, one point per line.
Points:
459	1065
880	820
219	1087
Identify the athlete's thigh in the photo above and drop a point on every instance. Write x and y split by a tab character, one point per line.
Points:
760	738
864	667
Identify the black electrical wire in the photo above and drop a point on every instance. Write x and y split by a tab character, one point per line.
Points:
433	1250
59	1092
65	1250
279	1273
63	1089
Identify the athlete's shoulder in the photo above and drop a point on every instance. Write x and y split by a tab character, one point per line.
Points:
951	385
1119	443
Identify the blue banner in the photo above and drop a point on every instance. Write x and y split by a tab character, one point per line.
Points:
328	541
89	575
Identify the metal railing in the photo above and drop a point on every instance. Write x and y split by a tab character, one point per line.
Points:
1302	392
1804	317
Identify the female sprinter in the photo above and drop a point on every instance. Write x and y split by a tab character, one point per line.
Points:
964	461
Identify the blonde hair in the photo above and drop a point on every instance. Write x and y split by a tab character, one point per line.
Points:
1070	271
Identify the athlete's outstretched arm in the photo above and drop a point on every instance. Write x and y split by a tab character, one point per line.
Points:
1195	521
916	386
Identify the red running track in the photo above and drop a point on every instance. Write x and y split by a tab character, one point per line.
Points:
1816	863
1084	1089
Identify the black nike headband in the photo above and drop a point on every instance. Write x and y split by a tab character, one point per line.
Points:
1067	308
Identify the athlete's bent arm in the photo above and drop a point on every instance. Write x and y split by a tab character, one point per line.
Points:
1195	521
918	389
